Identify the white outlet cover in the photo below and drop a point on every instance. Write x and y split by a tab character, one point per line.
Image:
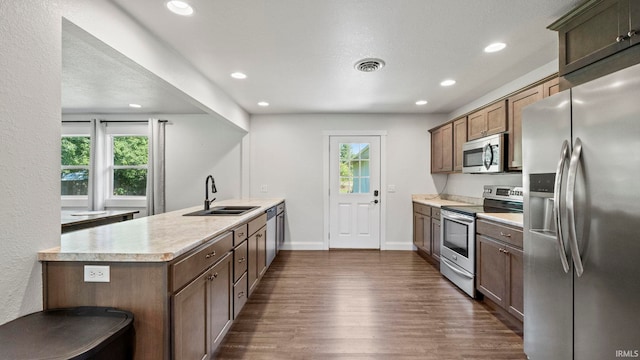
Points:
391	188
97	273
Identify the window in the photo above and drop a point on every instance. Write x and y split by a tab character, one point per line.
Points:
75	159
114	175
354	168
129	160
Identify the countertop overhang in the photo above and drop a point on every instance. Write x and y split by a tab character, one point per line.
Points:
157	238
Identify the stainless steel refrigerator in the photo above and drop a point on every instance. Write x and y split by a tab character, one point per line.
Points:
581	174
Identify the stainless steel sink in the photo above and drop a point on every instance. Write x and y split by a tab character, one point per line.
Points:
223	211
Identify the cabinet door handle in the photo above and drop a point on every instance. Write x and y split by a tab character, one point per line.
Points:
241	260
621	38
213	276
259	235
241	234
631	33
210	255
505	235
240	294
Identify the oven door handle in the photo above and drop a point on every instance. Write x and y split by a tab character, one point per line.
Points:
450	266
453	217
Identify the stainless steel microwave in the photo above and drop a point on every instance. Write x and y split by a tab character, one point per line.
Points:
484	155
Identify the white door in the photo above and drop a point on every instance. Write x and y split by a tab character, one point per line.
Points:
354	194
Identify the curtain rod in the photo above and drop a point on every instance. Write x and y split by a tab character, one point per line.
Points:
129	121
114	121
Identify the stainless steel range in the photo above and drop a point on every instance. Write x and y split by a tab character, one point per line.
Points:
458	233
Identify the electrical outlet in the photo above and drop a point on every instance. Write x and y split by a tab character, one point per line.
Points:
96	273
263	188
391	188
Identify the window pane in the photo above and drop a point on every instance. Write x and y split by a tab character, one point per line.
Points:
130	150
346	185
364	185
354	168
364	151
74	182
75	150
130	182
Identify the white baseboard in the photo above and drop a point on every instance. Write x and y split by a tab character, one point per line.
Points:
399	246
303	246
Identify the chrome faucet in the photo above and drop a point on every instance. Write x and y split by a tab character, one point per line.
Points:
207	202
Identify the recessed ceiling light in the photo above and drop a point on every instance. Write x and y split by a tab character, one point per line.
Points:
263	103
180	7
447	82
136	106
495	47
421	102
238	75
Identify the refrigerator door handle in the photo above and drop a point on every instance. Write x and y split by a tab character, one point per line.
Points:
557	190
571	191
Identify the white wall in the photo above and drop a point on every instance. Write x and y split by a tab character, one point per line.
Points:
29	149
286	154
105	21
199	145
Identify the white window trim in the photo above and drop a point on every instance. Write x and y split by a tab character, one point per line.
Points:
119	129
101	158
78	201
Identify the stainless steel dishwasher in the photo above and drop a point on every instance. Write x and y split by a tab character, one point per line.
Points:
271	235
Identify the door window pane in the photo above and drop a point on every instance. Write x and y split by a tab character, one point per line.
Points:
354	168
74	182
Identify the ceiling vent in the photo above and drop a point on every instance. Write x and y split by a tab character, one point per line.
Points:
369	65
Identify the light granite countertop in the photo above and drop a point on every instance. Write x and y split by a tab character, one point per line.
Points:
437	201
157	238
513	219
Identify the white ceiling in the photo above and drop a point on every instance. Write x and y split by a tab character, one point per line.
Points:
299	54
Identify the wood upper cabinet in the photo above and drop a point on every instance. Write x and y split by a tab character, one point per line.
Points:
595	30
500	266
459	138
487	121
551	87
442	149
516	104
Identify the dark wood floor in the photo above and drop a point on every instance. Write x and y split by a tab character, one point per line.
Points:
363	305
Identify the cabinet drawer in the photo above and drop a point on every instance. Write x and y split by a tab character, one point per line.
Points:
193	264
422	209
240	260
435	213
280	208
257	223
240	234
508	234
239	295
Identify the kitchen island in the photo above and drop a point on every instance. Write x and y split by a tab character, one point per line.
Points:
169	270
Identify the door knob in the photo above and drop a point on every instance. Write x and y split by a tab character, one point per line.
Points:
375	201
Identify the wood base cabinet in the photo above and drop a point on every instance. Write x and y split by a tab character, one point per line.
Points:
499	258
203	311
426	230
